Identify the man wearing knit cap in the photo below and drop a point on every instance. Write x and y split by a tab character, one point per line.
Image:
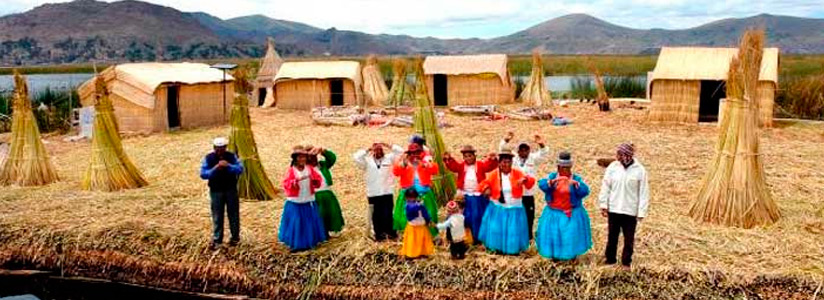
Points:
528	161
624	200
222	168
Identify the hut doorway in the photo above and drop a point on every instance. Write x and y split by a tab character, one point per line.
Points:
440	88
712	91
172	106
336	90
261	96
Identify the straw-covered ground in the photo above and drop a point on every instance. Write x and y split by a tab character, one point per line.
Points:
158	235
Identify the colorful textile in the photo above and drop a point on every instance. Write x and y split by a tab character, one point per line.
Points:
291	184
493	182
399	215
329	210
301	227
474	209
417	242
504	229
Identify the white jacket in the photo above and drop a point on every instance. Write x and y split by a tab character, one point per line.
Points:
529	165
455	224
625	190
378	173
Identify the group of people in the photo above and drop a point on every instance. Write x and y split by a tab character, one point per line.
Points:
495	206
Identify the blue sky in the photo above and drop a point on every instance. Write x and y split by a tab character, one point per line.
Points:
478	18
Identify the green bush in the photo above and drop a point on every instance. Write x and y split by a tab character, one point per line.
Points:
55	112
625	87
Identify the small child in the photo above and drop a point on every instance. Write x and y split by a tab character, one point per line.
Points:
417	240
456	233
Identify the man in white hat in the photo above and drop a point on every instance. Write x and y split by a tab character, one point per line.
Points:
222	168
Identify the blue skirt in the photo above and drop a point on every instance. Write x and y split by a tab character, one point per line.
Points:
561	237
301	227
474	213
504	229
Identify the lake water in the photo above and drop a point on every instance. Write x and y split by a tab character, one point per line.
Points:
39	82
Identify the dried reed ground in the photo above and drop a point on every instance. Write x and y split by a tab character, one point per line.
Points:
168	221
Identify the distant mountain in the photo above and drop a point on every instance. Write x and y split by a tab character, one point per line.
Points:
86	30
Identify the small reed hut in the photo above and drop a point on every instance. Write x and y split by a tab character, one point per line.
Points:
688	84
269	66
468	80
304	85
155	97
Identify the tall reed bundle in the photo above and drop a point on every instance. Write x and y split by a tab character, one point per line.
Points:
535	91
27	163
734	192
374	87
426	124
400	94
110	169
602	98
253	182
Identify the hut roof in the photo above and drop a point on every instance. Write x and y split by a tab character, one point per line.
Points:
137	82
319	70
467	65
270	64
700	63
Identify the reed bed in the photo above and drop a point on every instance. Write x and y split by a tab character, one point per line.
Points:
801	96
159	234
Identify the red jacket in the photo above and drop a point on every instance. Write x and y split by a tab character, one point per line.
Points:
407	174
481	168
291	184
493	183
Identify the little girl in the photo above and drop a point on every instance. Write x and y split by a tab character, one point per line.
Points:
417	240
456	233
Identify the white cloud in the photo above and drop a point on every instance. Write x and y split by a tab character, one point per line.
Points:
478	18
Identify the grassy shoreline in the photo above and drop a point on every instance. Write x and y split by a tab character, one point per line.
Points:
519	65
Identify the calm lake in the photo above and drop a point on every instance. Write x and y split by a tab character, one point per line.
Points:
39	82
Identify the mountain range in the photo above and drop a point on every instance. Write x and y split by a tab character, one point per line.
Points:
85	30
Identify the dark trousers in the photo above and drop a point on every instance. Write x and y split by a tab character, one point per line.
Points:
225	201
456	249
382	217
620	223
529	207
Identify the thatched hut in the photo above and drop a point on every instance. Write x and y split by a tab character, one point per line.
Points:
688	84
304	85
468	80
269	66
154	97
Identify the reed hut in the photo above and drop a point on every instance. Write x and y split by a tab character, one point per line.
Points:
688	84
304	85
468	80
156	97
269	66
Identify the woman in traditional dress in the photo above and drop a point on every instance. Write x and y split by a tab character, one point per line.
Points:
472	172
415	172
301	227
328	203
504	227
564	231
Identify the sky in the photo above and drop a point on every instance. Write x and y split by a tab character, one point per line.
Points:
477	18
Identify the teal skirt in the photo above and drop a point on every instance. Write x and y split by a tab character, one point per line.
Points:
329	209
399	214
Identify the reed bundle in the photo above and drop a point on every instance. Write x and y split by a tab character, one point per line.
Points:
602	98
374	88
110	169
426	124
400	94
27	162
734	191
535	91
253	183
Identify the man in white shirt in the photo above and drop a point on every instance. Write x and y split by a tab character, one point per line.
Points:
624	200
528	162
380	186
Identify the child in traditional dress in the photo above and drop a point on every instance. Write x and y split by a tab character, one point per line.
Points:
301	227
417	240
328	203
456	234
